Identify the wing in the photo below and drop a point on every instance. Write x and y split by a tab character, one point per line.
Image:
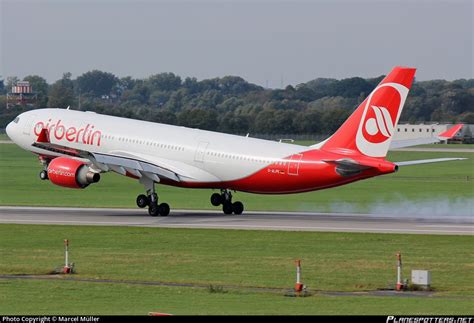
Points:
125	163
156	168
448	134
132	166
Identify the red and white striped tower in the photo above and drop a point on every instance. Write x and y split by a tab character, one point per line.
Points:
399	271
66	269
298	285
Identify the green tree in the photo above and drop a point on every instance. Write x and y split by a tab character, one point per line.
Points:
40	86
140	93
468	118
234	123
11	81
205	119
61	93
2	86
264	122
164	82
308	121
274	122
124	84
96	83
165	116
332	119
159	98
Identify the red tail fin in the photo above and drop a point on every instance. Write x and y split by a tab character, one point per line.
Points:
369	130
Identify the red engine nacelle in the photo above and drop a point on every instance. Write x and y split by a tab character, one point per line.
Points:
71	173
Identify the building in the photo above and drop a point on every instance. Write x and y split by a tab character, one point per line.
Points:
415	131
21	94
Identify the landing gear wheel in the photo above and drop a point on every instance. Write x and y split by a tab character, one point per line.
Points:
43	175
164	209
153	210
216	199
227	207
237	208
142	201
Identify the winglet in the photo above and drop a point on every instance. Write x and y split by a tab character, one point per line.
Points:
451	132
43	137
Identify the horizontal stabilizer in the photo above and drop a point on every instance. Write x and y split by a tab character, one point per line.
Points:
413	142
348	164
349	167
426	161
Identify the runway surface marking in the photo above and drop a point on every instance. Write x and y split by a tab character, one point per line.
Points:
286	221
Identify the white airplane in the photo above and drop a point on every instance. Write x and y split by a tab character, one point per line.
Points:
75	147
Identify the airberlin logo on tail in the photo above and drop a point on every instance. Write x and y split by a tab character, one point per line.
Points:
380	116
378	125
86	135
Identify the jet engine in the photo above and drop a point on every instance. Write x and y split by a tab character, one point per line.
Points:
71	173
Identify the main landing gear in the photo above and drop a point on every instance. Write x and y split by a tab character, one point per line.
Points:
151	200
154	209
225	199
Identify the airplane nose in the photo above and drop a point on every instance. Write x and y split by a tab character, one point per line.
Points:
9	130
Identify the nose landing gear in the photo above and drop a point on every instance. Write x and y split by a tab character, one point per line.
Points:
44	175
225	199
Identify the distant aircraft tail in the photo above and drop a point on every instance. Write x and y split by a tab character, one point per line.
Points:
369	130
451	132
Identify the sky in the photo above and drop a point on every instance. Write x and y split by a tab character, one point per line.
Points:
270	43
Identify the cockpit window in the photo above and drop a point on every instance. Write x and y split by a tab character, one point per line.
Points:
16	120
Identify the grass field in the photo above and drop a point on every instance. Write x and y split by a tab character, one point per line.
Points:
450	181
331	262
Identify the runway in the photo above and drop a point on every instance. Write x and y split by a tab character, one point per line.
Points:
204	219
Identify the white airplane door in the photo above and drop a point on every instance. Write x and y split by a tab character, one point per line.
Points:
201	151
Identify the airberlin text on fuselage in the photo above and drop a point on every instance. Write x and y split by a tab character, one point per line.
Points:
85	135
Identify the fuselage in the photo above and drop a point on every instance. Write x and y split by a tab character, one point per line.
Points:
212	160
